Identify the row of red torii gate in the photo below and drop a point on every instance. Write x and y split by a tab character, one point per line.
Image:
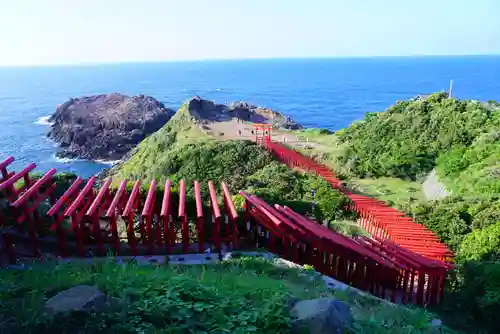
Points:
402	261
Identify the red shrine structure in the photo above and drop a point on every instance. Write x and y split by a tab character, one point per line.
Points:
262	133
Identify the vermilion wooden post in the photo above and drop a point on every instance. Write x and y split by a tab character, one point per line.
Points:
63	246
420	288
405	286
183	216
77	216
94	214
166	216
78	235
200	220
128	216
233	215
147	215
216	215
246	208
114	210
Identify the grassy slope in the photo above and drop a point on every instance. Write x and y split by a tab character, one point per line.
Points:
391	189
172	299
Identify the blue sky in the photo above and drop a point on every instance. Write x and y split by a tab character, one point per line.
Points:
39	32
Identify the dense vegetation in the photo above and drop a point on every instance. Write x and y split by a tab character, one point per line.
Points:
406	139
461	140
182	299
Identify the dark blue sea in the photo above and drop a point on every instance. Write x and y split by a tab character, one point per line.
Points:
329	93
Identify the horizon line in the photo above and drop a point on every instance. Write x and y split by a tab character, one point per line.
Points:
134	62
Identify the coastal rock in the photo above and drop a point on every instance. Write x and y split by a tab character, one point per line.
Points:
105	126
205	111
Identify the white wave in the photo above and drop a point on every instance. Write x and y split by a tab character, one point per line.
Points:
108	162
69	160
44	120
65	160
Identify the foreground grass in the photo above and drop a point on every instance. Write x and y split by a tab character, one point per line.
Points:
239	296
235	297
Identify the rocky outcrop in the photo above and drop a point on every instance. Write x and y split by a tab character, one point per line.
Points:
249	111
105	126
208	111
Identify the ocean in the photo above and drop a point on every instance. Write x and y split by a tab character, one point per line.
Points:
327	93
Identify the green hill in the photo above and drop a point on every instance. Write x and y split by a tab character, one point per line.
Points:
407	139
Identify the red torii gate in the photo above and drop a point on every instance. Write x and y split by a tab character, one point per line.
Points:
94	215
262	133
374	265
414	273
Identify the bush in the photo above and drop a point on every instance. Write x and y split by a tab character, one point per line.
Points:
476	301
482	244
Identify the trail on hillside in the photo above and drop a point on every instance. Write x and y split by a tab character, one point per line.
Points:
234	129
432	188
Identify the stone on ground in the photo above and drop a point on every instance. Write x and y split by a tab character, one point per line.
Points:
321	316
82	298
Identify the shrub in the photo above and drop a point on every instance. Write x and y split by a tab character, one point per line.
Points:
481	244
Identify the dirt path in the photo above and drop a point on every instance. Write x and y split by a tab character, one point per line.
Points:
234	130
434	189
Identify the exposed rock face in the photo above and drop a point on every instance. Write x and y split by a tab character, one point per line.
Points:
105	126
205	110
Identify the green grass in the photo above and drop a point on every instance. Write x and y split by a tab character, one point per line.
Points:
239	296
324	146
390	189
234	297
329	149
